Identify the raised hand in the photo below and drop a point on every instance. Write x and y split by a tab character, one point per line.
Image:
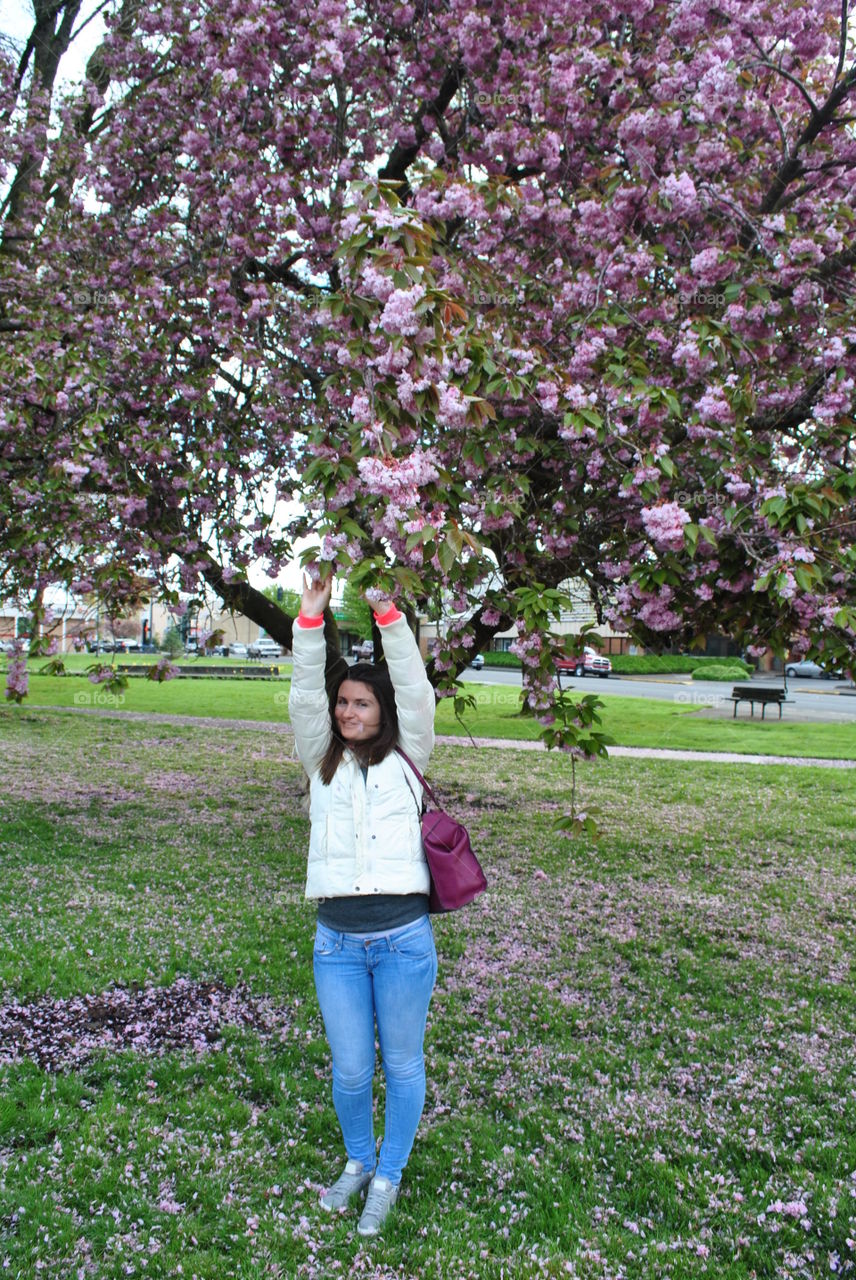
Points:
316	597
378	601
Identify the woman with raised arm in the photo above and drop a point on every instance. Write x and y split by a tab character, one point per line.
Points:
374	957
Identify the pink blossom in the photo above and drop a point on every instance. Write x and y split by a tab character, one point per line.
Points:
712	406
705	266
548	394
75	470
397	477
164	669
377	284
665	525
17	680
398	315
452	409
680	191
658	616
361	407
102	674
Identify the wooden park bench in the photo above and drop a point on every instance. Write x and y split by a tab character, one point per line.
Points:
765	694
200	669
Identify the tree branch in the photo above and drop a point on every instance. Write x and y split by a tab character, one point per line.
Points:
842	46
402	156
791	167
826	272
248	600
482	636
795	415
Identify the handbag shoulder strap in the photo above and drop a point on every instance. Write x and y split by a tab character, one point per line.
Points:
425	785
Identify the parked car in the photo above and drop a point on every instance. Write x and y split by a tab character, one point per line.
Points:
236	650
264	648
477	662
589	663
364	651
807	668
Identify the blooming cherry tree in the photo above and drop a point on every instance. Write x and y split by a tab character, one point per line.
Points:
502	295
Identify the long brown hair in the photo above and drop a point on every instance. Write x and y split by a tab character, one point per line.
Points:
377	679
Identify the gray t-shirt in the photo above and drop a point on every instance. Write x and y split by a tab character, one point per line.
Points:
371	912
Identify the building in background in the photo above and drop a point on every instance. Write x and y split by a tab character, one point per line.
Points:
569	623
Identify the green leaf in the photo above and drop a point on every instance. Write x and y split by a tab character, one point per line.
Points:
447	555
56	667
804	575
408	579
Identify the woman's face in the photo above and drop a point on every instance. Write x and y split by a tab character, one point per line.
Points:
357	712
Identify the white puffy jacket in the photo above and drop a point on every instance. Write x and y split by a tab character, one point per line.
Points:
366	835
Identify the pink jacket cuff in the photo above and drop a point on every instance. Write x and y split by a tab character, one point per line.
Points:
392	615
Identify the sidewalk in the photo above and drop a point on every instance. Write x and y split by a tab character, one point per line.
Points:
450	740
662	753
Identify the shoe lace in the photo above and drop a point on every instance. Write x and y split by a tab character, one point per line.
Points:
376	1201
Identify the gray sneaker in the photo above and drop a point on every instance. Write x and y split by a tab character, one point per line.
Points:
352	1180
380	1199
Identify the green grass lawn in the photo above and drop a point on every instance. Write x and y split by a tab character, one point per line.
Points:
637	722
644	722
235	699
639	1054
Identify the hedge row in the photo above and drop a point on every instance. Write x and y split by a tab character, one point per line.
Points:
720	672
630	664
501	660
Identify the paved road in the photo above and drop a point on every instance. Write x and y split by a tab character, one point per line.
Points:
816	700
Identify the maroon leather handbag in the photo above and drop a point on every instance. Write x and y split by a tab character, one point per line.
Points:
456	874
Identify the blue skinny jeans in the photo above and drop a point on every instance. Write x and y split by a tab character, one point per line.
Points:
388	978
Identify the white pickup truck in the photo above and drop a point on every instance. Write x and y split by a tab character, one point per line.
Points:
264	648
